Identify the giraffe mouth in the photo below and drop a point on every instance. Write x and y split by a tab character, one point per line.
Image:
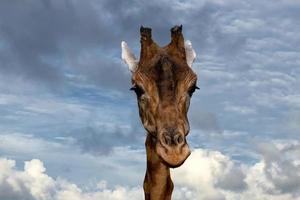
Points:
173	156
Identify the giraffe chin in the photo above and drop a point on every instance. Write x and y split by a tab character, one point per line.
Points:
173	157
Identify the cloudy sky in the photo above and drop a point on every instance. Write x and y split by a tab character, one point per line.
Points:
69	127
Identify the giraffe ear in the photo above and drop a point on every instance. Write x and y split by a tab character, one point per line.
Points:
128	57
189	52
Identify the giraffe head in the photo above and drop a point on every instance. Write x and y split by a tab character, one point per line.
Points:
164	82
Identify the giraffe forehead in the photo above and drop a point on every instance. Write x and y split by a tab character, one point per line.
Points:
165	75
162	66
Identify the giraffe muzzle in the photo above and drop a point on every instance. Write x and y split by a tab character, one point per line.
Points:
172	149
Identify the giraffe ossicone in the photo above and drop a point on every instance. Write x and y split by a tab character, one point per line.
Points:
129	58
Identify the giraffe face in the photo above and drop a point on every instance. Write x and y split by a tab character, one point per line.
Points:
163	92
164	84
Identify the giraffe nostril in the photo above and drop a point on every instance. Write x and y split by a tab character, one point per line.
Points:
179	139
172	140
167	139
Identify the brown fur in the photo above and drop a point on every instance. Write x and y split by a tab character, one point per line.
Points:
163	81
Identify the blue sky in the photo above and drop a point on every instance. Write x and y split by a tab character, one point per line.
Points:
67	112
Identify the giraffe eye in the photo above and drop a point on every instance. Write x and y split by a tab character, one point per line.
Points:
192	90
138	90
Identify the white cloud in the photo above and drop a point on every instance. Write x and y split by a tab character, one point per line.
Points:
211	175
206	174
281	166
67	160
34	183
193	5
245	25
243	110
293	122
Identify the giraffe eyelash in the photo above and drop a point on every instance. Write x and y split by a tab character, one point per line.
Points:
193	89
138	90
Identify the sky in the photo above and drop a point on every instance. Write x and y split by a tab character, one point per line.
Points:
69	126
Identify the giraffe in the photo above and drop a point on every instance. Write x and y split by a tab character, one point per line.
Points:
164	83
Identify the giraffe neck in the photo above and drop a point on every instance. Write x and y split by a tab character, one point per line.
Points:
157	184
